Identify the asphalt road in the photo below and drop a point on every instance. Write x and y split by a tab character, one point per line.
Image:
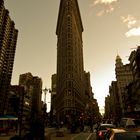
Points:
84	136
78	136
50	134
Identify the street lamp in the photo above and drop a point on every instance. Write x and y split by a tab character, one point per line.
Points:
45	92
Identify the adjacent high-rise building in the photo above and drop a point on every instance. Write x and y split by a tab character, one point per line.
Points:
37	95
31	102
70	86
8	39
134	59
124	78
33	89
133	101
112	105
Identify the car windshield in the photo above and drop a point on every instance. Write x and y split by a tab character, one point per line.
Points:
127	136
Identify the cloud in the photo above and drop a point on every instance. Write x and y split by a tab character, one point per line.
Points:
104	1
100	13
107	6
129	20
105	11
133	32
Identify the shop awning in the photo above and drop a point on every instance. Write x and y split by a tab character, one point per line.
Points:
8	117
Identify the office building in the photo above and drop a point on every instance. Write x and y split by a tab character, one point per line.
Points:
124	78
133	89
8	40
33	90
31	102
70	87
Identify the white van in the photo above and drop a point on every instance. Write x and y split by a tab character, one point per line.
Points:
125	122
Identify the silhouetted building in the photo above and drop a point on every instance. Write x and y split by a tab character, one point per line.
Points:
107	107
26	81
8	39
31	103
70	89
123	100
124	77
92	108
88	88
33	87
133	89
14	100
53	96
112	104
18	106
134	59
36	97
25	102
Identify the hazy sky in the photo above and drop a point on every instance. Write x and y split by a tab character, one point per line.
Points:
110	26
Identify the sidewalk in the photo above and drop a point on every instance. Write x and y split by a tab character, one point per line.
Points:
7	136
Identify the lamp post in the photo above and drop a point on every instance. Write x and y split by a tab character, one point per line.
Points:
45	90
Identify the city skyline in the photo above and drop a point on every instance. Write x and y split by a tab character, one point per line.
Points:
110	28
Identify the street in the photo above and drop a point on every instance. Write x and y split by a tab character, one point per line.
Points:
50	134
77	136
84	136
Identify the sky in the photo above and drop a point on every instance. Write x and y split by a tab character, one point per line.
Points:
111	27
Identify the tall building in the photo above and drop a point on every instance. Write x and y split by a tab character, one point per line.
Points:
134	59
88	89
70	89
133	102
8	39
124	78
53	96
115	111
36	97
25	81
31	102
33	89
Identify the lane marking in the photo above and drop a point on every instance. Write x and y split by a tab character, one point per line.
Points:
75	136
89	136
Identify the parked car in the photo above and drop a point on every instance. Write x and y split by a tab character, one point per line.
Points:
123	134
129	122
102	129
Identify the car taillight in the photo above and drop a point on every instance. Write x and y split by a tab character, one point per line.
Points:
100	133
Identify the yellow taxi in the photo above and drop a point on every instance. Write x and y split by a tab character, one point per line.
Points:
123	134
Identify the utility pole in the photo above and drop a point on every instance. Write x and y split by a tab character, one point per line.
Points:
45	93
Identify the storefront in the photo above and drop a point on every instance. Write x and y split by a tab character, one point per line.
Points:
8	123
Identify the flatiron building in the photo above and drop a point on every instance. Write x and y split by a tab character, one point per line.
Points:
70	85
